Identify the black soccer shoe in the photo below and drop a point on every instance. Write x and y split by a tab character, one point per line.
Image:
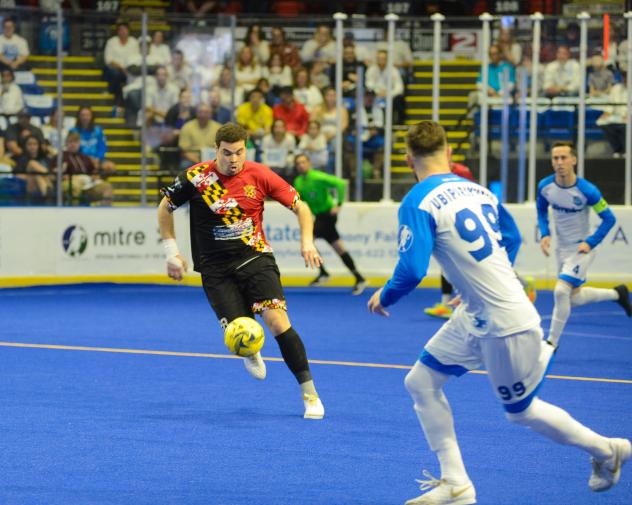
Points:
624	298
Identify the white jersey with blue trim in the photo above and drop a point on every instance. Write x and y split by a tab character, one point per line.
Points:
472	237
571	212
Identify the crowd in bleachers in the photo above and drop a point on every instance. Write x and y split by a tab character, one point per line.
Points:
558	86
270	80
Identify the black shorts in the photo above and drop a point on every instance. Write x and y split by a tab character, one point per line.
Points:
325	227
244	291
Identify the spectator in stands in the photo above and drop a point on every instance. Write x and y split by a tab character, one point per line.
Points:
326	115
181	112
7	163
622	55
600	78
376	81
52	141
19	131
93	141
321	47
159	52
571	40
614	118
255	116
180	72
256	41
120	51
313	144
402	54
496	73
11	99
33	166
197	136
510	49
230	97
372	134
350	64
291	112
14	50
219	113
278	73
160	98
319	76
362	52
85	181
277	150
270	97
561	77
247	70
288	51
305	92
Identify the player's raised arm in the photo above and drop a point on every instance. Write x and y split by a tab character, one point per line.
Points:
305	222
176	264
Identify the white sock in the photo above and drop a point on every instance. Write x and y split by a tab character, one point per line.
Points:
445	298
435	416
561	311
556	424
590	295
308	388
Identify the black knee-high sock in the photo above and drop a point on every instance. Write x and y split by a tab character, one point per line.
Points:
323	271
294	355
348	261
446	287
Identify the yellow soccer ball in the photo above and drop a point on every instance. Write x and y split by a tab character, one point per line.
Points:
244	336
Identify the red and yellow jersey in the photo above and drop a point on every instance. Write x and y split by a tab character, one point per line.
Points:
226	212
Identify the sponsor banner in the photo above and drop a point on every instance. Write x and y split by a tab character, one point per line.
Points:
71	242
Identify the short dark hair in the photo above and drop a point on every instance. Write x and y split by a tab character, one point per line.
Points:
565	143
230	133
300	155
255	90
425	138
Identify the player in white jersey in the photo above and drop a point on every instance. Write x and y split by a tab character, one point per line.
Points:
571	198
474	239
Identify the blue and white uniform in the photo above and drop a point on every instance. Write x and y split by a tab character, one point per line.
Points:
475	240
571	212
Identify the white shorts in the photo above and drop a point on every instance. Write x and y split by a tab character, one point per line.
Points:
573	266
516	364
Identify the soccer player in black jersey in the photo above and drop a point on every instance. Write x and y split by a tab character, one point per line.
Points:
239	273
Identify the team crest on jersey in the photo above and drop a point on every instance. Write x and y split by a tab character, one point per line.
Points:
250	191
405	238
577	200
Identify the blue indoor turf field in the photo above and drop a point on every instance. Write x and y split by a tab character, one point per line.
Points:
80	426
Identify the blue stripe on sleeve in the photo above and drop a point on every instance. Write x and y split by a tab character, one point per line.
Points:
542	205
607	222
511	238
416	238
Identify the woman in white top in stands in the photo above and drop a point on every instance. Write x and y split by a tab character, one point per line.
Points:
11	99
159	52
277	149
247	70
314	145
224	87
305	92
277	73
325	114
255	40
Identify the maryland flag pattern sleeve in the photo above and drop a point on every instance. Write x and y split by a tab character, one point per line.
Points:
226	212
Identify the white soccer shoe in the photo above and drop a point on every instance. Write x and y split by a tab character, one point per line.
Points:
314	408
443	493
605	474
255	366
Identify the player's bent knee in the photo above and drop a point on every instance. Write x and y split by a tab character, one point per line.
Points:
562	290
423	381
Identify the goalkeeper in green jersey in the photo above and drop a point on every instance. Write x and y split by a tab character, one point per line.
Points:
316	189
